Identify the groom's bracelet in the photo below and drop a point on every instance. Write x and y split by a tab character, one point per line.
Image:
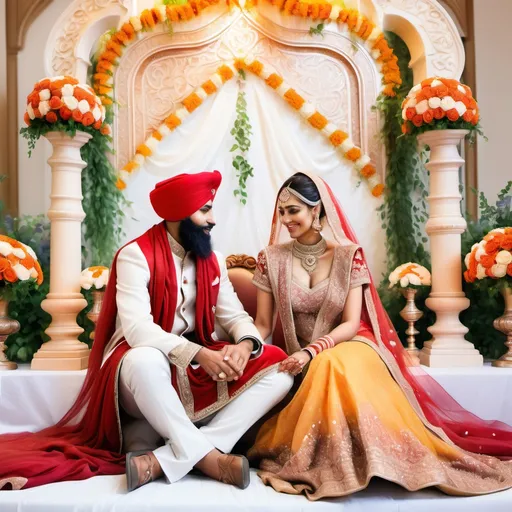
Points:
321	344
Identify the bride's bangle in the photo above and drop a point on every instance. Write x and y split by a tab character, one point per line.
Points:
321	344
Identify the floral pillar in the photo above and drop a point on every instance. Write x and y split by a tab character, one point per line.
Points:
448	347
64	302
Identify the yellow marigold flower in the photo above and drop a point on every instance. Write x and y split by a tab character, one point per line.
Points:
367	171
120	184
172	122
157	135
256	67
192	101
226	73
209	87
130	167
353	154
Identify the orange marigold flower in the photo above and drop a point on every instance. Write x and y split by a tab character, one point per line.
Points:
172	121
187	11
37	114
88	119
120	37
353	154
104	66
506	242
77	115
378	190
509	269
172	13
476	117
468	116
508	231
343	16
97	124
226	73
128	29
105	129
368	170
420	96
51	117
369	29
410	113
109	55
143	150
294	99
120	184
274	81
146	18
157	135
114	47
318	121
65	113
338	137
43	84
130	166
324	11
428	116
427	82
489	259
438	113
256	67
106	100
303	9
239	64
450	82
352	19
55	103
440	91
26	118
417	120
314	10
157	15
192	101
103	90
4	263
452	114
209	87
33	99
405	128
389	90
10	275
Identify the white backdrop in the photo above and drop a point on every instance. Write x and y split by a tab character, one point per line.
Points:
281	144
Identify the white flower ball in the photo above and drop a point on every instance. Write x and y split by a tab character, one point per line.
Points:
504	258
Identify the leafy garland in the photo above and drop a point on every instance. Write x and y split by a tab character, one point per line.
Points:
403	212
242	130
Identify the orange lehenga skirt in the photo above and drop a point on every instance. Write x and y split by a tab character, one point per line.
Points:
350	421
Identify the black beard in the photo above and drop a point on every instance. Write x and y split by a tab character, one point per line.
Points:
194	239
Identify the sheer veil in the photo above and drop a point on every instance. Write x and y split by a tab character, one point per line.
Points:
438	410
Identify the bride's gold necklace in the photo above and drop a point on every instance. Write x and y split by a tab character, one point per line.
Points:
309	254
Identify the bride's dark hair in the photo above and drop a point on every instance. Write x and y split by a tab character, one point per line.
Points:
305	186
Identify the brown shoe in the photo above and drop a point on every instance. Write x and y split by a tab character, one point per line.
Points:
234	470
142	467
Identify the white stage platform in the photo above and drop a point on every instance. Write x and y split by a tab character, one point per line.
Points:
32	400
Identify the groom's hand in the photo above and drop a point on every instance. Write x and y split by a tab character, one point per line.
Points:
237	356
212	361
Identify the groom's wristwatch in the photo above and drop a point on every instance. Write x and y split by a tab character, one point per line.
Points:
256	343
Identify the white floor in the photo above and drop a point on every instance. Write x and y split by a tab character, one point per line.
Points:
32	400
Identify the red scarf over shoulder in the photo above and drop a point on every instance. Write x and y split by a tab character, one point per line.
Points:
82	445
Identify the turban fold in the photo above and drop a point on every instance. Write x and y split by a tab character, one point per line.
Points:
180	196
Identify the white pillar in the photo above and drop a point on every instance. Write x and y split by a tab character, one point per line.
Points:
64	301
444	227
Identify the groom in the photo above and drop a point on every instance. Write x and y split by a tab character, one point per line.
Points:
178	381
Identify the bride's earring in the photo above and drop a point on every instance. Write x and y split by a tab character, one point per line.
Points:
317	226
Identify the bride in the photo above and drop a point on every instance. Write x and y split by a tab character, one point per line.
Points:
362	409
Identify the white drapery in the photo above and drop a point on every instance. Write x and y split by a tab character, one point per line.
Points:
281	144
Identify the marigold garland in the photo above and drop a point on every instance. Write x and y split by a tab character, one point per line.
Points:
223	74
338	138
18	262
359	26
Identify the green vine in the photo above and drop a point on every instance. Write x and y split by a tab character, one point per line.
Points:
318	30
403	212
242	130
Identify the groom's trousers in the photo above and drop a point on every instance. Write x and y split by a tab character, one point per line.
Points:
147	395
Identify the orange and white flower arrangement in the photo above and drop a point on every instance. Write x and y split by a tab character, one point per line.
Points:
63	100
18	262
410	275
439	103
337	137
223	74
94	277
491	257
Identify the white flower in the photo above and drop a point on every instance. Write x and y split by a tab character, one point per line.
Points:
217	80
5	248
307	109
460	108
30	111
461	89
504	257
480	251
21	272
410	103
362	162
70	101
447	103
404	114
436	83
466	259
499	270
30	251
164	130
422	107
19	253
404	281
83	106
181	113
136	23
96	112
416	88
335	12
44	107
414	279
67	90
139	159
480	272
152	143
329	129
434	102
497	230
45	94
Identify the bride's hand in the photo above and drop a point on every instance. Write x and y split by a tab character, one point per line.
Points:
295	363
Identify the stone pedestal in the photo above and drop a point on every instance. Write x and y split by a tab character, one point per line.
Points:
448	347
64	301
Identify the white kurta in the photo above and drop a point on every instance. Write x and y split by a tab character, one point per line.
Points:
135	322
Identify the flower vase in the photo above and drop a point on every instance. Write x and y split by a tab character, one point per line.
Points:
411	314
504	324
94	313
448	347
64	301
7	326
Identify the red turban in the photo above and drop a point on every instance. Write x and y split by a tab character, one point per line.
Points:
180	196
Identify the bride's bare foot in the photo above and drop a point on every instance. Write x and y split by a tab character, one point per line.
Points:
226	468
